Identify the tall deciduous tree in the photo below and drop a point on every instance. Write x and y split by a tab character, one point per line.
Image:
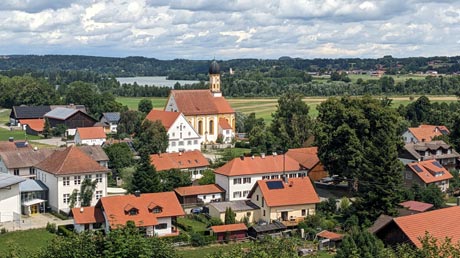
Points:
130	122
174	178
120	156
153	138
291	124
145	105
145	178
358	139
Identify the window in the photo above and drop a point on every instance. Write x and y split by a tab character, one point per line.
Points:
195	141
157	209
189	133
66	180
264	213
161	226
263	201
98	195
189	142
301	174
181	143
181	130
173	144
275	177
245	193
213	196
236	181
16	172
99	178
257	197
32	171
200	127
265	177
133	212
180	135
211	127
89	177
66	198
304	213
173	134
246	180
77	180
439	152
293	175
237	194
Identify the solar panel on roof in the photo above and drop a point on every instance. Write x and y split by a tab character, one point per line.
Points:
437	164
20	144
275	185
444	131
417	168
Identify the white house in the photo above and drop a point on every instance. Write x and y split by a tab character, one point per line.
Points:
64	171
192	162
153	212
90	136
10	197
225	131
182	136
238	176
200	194
424	133
109	121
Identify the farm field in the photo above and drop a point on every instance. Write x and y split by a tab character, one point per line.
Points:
264	107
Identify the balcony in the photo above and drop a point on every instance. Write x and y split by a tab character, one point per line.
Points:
292	222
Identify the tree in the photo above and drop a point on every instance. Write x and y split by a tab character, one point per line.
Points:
145	106
230	216
291	123
262	140
362	244
153	138
47	129
174	178
87	191
430	194
145	178
130	123
251	122
120	156
358	139
207	178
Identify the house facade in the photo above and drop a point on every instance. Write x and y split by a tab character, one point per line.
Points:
10	198
109	121
242	209
203	108
182	136
424	133
22	162
90	136
200	194
192	162
289	200
427	172
238	176
433	150
64	171
308	158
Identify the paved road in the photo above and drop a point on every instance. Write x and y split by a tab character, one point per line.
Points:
34	221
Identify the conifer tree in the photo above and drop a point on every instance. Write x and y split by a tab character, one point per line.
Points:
145	178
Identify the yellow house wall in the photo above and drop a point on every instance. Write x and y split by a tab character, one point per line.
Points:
294	211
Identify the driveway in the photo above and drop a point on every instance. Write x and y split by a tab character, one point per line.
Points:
34	221
52	141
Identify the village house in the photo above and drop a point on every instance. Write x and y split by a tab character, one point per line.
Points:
413	207
109	121
12	145
288	201
410	229
90	136
21	162
64	171
203	109
242	209
433	150
69	117
192	162
33	126
199	194
427	172
27	113
424	133
10	198
238	176
34	196
155	213
308	158
182	136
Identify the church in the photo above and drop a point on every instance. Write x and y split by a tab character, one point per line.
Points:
206	110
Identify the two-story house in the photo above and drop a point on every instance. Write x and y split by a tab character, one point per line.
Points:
238	176
109	121
308	158
433	150
424	133
427	172
64	171
192	162
153	212
182	136
289	200
21	162
90	136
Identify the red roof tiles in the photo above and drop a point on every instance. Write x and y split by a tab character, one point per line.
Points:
71	160
329	235
179	160
429	172
425	133
198	189
166	118
439	223
416	206
258	165
34	124
297	191
223	123
87	215
229	228
307	157
114	208
91	133
200	102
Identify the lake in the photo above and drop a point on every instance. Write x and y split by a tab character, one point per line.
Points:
153	80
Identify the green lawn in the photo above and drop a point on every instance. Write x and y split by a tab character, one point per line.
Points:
158	103
196	225
25	242
4	116
18	135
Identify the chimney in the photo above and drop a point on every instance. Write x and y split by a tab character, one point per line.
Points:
137	193
81	210
180	153
274	153
242	157
262	155
252	157
35	148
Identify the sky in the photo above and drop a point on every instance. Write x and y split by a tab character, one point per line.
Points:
229	29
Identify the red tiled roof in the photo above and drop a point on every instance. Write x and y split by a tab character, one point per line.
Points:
114	207
200	102
329	235
34	124
297	191
307	157
416	206
166	118
179	160
223	123
198	189
87	215
439	223
91	133
71	160
229	228
426	170
258	165
427	132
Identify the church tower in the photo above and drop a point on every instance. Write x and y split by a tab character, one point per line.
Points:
214	79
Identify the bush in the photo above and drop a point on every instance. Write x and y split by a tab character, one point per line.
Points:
62	230
244	145
51	227
60	215
215	222
3	231
197	239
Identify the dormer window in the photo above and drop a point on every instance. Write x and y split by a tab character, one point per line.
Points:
131	210
154	208
157	210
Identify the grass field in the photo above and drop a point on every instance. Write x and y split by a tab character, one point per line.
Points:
196	225
264	107
25	242
18	135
